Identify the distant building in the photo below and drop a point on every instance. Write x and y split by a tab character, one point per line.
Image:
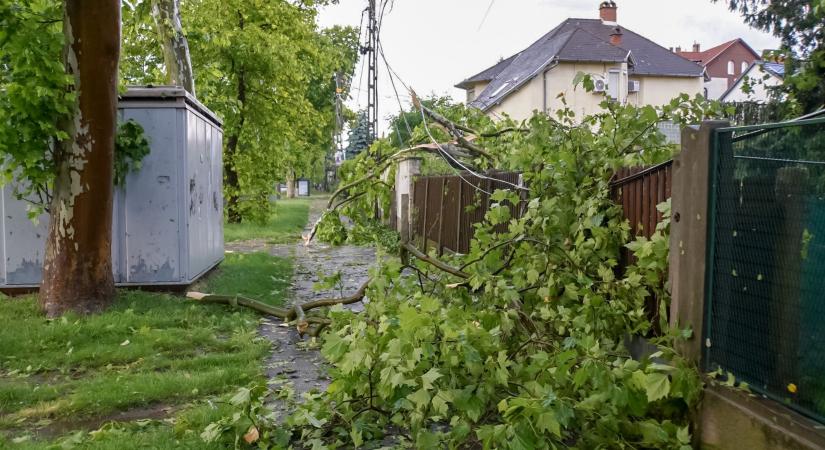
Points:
626	66
754	85
724	64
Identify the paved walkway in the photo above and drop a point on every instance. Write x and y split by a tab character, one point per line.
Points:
291	361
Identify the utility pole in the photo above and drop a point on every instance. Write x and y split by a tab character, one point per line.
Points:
370	51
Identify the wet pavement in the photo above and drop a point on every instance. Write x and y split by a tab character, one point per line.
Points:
292	360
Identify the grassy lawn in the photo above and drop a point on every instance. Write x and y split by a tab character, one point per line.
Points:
155	361
284	226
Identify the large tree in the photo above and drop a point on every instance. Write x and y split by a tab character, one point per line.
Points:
801	26
57	132
268	71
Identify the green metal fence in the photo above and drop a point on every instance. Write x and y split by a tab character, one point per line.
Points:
765	319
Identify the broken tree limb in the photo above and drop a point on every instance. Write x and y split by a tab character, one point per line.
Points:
452	127
297	313
239	300
452	149
435	262
354	298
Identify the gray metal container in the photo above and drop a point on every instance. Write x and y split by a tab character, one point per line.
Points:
168	218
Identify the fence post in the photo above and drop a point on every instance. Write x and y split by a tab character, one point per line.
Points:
408	169
689	234
405	227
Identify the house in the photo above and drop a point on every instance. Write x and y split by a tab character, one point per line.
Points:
724	64
755	83
627	66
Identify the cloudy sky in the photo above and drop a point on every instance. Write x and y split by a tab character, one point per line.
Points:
434	44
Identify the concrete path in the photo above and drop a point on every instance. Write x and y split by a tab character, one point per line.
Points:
291	361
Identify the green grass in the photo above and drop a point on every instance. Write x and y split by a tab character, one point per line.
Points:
149	350
254	275
284	226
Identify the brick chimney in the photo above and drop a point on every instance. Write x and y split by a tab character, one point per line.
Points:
616	36
696	47
607	11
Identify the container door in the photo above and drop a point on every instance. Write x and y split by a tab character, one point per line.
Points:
149	228
198	182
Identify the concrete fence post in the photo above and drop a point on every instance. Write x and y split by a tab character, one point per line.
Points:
408	169
688	234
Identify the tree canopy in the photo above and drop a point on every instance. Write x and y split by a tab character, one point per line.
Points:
800	24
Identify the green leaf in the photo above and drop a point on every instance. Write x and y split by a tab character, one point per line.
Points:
421	398
429	378
657	386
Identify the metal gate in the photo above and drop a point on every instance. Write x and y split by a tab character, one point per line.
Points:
765	293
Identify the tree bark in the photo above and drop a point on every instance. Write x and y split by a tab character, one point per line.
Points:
174	46
77	273
290	184
233	186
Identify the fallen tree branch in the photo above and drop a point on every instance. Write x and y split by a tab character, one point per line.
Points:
434	262
354	298
239	300
332	206
298	313
453	128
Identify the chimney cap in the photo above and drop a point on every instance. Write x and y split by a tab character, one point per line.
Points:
607	11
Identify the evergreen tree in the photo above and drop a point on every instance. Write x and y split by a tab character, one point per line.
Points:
359	135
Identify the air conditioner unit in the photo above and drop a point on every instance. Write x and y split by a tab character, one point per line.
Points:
600	85
634	86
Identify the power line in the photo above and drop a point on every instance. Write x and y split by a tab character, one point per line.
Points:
484	19
443	152
444	155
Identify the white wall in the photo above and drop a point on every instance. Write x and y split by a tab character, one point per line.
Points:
759	80
656	91
716	87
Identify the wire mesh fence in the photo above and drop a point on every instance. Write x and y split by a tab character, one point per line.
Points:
765	319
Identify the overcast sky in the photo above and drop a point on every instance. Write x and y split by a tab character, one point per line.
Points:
434	44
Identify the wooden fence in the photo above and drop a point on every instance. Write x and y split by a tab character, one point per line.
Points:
447	207
639	190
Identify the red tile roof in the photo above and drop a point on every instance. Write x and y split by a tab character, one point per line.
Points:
705	57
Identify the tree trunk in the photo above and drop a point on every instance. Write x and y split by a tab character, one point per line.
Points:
175	47
231	173
290	184
77	274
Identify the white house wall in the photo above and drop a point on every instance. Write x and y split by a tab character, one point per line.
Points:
759	87
521	104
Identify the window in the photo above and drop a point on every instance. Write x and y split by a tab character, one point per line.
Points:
471	95
613	84
731	67
745	66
